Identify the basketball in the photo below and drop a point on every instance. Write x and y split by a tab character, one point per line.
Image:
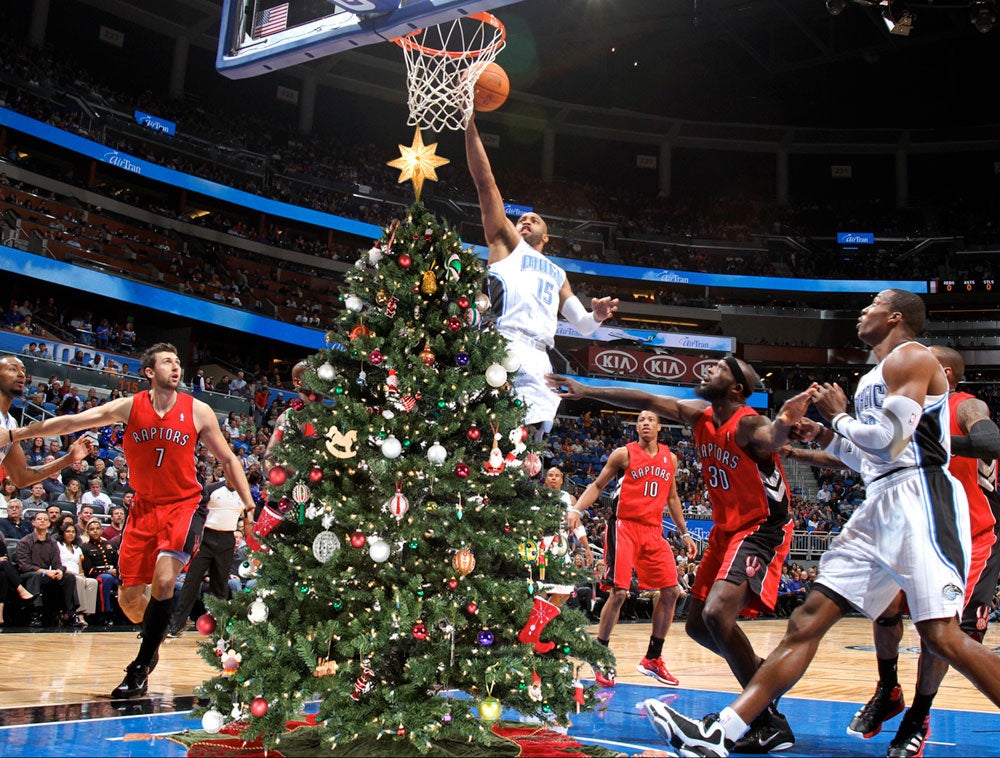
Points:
492	88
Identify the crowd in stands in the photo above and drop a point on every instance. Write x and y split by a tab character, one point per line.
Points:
322	173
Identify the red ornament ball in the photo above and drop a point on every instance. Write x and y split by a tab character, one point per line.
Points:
473	433
297	404
358	539
454	323
315	475
419	631
277	476
206	624
462	470
453	584
375	356
463	302
405	260
472	608
258	707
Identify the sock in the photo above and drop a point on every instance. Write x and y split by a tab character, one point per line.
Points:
732	724
154	626
603	642
920	708
887	671
655	649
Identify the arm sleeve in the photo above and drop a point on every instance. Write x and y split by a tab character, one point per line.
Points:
846	452
581	319
982	441
884	433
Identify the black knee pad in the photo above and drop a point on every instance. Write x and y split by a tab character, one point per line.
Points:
889	620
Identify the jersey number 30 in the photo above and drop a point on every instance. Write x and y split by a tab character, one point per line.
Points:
718	477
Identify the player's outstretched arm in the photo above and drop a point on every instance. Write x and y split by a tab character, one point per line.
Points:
668	407
209	432
617	462
24	475
767	437
117	411
676	510
501	235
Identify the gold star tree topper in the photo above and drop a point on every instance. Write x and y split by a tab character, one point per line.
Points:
417	162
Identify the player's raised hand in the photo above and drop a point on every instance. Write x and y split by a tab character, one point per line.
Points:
84	445
794	409
603	307
830	400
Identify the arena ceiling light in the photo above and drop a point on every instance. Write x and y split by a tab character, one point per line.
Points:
897	17
983	14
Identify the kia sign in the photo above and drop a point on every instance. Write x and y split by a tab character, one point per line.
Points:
615	362
855	238
664	367
644	365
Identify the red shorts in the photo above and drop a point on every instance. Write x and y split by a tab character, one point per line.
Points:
628	545
152	529
753	555
984	568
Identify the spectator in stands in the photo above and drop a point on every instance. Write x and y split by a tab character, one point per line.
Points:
100	562
55	514
86	514
127	340
43	352
120	485
95	494
14	526
238	386
77	360
111	473
73	492
77	470
10	581
8	491
96	363
35	455
71	555
112	367
117	525
41	567
54	488
30	350
198	383
103	334
37	497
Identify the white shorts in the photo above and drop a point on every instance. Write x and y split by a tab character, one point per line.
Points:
529	382
912	532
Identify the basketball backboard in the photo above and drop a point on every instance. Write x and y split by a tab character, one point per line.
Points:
258	36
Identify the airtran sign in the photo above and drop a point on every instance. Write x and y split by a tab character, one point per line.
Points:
855	238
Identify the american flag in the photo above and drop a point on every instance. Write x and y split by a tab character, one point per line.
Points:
271	21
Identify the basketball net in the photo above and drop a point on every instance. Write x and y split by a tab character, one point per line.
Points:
443	63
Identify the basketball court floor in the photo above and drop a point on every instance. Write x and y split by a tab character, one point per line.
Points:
52	700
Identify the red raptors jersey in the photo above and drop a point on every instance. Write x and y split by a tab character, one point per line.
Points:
645	485
966	470
741	492
160	452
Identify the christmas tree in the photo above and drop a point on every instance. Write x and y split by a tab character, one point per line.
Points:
398	578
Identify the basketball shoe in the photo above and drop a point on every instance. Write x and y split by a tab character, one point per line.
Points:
654	667
606	677
687	736
768	733
134	684
885	704
910	739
